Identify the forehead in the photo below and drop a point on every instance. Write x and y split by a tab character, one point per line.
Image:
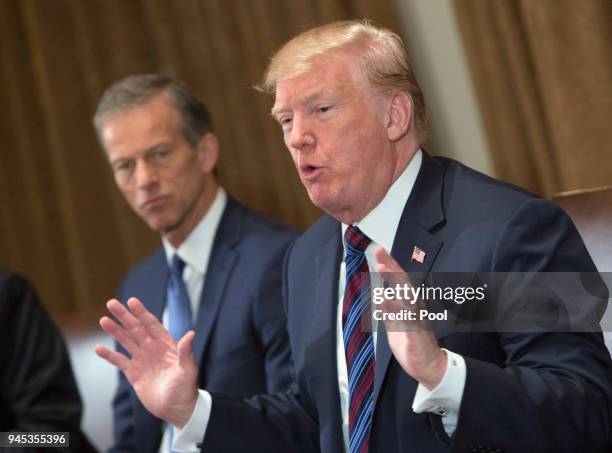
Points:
141	123
328	76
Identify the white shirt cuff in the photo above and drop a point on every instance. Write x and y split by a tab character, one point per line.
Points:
445	398
185	440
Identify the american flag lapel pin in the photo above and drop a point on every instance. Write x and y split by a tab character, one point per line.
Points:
418	255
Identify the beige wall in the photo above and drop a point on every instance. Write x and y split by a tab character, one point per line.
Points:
544	87
435	46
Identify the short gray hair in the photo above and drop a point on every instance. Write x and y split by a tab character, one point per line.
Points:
135	90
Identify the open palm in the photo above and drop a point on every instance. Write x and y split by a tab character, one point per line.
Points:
413	343
162	372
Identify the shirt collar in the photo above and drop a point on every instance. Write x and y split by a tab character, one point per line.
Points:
195	249
381	223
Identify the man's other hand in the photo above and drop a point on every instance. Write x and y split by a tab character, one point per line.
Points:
415	348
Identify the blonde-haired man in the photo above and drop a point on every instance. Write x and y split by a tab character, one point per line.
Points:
353	119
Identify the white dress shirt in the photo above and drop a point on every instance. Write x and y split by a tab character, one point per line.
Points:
380	225
195	252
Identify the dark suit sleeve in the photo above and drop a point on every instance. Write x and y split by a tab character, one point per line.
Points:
283	422
38	391
554	394
123	417
271	323
276	423
123	413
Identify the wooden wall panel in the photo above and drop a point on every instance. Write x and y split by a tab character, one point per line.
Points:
574	73
543	76
63	222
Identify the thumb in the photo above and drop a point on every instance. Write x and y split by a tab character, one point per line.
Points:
389	269
185	349
385	262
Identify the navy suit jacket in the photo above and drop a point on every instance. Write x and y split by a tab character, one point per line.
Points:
523	392
241	343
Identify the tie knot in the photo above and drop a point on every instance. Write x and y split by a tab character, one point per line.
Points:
177	266
355	240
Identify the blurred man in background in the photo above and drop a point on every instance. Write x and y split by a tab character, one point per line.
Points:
219	268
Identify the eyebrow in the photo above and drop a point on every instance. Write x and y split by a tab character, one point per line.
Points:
306	100
276	111
144	152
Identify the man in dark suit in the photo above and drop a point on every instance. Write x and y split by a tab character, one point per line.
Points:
38	392
353	119
219	269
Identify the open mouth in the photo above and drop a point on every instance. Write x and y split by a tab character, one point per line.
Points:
309	171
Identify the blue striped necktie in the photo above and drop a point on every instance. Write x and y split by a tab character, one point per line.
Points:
358	344
179	309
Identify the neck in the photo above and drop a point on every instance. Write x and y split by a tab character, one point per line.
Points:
176	236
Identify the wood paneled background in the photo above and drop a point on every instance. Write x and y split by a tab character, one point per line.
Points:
62	221
542	74
543	77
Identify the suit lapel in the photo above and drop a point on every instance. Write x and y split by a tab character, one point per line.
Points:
324	369
221	262
423	212
153	291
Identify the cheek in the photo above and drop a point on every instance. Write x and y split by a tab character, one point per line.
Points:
294	158
186	185
129	195
358	161
181	177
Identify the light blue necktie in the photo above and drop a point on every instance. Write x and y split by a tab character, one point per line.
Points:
179	309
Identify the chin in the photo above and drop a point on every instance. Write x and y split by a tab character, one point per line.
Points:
325	201
158	225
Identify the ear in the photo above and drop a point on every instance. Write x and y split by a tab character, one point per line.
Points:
399	116
208	151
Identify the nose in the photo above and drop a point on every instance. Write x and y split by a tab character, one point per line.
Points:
301	136
144	174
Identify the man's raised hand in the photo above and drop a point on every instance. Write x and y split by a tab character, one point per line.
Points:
415	348
162	372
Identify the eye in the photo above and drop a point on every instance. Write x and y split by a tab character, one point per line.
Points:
323	109
122	166
285	122
161	154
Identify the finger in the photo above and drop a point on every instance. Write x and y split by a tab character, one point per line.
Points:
118	333
149	321
386	263
393	274
122	313
113	357
128	320
185	350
